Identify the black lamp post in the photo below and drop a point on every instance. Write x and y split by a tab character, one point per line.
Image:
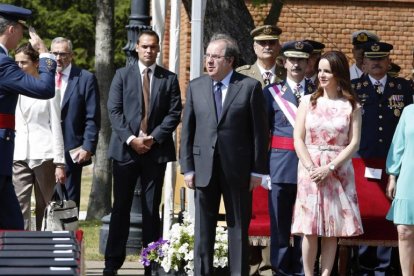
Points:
138	20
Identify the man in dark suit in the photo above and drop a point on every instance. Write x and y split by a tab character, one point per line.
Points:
144	108
223	152
13	81
285	255
80	115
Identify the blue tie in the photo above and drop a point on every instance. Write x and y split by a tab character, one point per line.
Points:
218	99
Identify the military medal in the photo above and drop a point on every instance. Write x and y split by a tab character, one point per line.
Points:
365	83
391	84
397	112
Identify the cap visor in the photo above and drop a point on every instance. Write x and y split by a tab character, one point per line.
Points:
266	37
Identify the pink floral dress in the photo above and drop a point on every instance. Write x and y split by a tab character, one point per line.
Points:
329	209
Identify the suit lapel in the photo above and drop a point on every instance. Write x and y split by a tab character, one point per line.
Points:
232	90
288	94
135	99
157	79
72	82
208	95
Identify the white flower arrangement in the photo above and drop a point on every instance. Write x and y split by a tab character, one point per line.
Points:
176	253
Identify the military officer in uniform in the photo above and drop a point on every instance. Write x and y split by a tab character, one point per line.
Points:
13	81
358	39
311	73
283	162
266	46
383	98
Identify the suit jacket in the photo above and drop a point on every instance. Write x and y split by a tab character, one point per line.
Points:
13	81
38	130
239	137
81	115
125	113
283	163
380	114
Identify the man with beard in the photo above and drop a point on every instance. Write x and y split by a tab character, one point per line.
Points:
358	39
281	102
383	98
266	47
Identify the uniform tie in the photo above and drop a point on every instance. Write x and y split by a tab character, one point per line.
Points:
267	77
146	97
378	87
297	91
218	99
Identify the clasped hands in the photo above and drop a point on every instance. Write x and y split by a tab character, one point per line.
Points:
318	174
142	144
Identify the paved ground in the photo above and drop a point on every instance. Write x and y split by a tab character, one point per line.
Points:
129	268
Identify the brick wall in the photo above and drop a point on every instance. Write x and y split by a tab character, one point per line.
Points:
332	23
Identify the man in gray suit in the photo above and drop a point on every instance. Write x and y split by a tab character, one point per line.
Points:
144	108
223	152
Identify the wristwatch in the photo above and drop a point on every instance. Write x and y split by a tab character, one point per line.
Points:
332	167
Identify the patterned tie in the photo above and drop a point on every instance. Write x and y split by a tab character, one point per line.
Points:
297	90
267	77
378	88
218	99
146	97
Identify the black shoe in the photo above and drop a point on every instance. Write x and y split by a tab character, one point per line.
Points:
110	272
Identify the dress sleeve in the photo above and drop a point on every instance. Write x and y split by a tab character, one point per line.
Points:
397	148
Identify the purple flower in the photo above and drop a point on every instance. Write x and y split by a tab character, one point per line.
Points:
152	252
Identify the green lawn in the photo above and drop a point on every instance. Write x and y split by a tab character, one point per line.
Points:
91	228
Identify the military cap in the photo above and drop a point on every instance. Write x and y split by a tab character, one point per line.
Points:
394	70
266	32
15	13
297	49
317	46
363	36
376	49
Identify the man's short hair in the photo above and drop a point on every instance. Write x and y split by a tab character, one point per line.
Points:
59	39
232	49
4	23
148	32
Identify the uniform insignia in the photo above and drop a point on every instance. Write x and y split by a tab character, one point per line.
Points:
299	45
362	37
399	86
358	85
391	84
310	88
375	48
397	112
284	88
267	30
353	85
244	67
49	64
365	83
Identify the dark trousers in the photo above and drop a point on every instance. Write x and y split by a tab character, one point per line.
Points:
73	179
11	216
238	203
374	261
151	177
286	258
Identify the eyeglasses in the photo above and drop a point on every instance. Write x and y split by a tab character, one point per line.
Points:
61	54
213	57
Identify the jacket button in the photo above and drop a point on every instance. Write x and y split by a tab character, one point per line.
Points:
380	140
380	128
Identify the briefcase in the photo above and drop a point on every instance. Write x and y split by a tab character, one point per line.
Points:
61	213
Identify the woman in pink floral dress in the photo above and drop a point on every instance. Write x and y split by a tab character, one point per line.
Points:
326	135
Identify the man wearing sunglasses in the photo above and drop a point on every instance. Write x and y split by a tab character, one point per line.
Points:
13	81
266	47
80	114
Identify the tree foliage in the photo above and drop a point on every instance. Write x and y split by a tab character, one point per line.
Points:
75	19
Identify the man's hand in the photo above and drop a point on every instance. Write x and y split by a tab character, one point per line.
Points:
254	182
141	145
190	180
84	156
36	41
